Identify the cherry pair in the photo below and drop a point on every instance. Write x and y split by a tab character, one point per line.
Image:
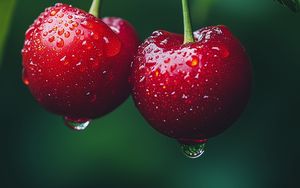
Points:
190	88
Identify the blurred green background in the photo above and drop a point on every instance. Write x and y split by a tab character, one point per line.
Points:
120	150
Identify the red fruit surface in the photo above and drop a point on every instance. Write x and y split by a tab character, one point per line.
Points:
75	65
192	91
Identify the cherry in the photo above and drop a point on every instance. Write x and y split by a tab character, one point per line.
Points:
191	90
76	65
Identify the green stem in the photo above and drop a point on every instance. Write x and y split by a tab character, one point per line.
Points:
94	10
188	32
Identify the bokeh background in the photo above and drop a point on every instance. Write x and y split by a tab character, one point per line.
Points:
120	150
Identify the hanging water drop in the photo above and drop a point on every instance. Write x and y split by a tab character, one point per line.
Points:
193	150
77	124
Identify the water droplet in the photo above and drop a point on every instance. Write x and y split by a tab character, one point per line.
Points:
142	79
87	24
45	34
173	68
106	40
167	60
70	16
215	48
95	35
193	150
51	39
194	62
75	24
50	20
63	59
60	31
78	32
87	44
67	34
53	13
184	96
60	43
77	124
54	28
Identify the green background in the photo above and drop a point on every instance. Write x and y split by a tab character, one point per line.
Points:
121	150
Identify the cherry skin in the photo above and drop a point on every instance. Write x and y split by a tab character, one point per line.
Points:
194	91
76	65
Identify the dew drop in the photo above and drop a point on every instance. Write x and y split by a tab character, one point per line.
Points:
75	24
184	96
67	34
95	35
60	43
50	20
193	150
45	34
142	79
173	68
77	124
167	60
63	59
87	45
78	32
215	48
194	62
51	39
87	24
53	13
106	40
60	32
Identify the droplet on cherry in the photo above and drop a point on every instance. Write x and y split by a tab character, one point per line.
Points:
193	150
77	124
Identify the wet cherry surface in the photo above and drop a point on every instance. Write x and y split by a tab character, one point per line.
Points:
191	92
75	65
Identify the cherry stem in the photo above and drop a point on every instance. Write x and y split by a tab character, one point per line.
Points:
188	32
94	10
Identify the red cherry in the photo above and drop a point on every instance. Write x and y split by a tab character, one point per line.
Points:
77	66
194	91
